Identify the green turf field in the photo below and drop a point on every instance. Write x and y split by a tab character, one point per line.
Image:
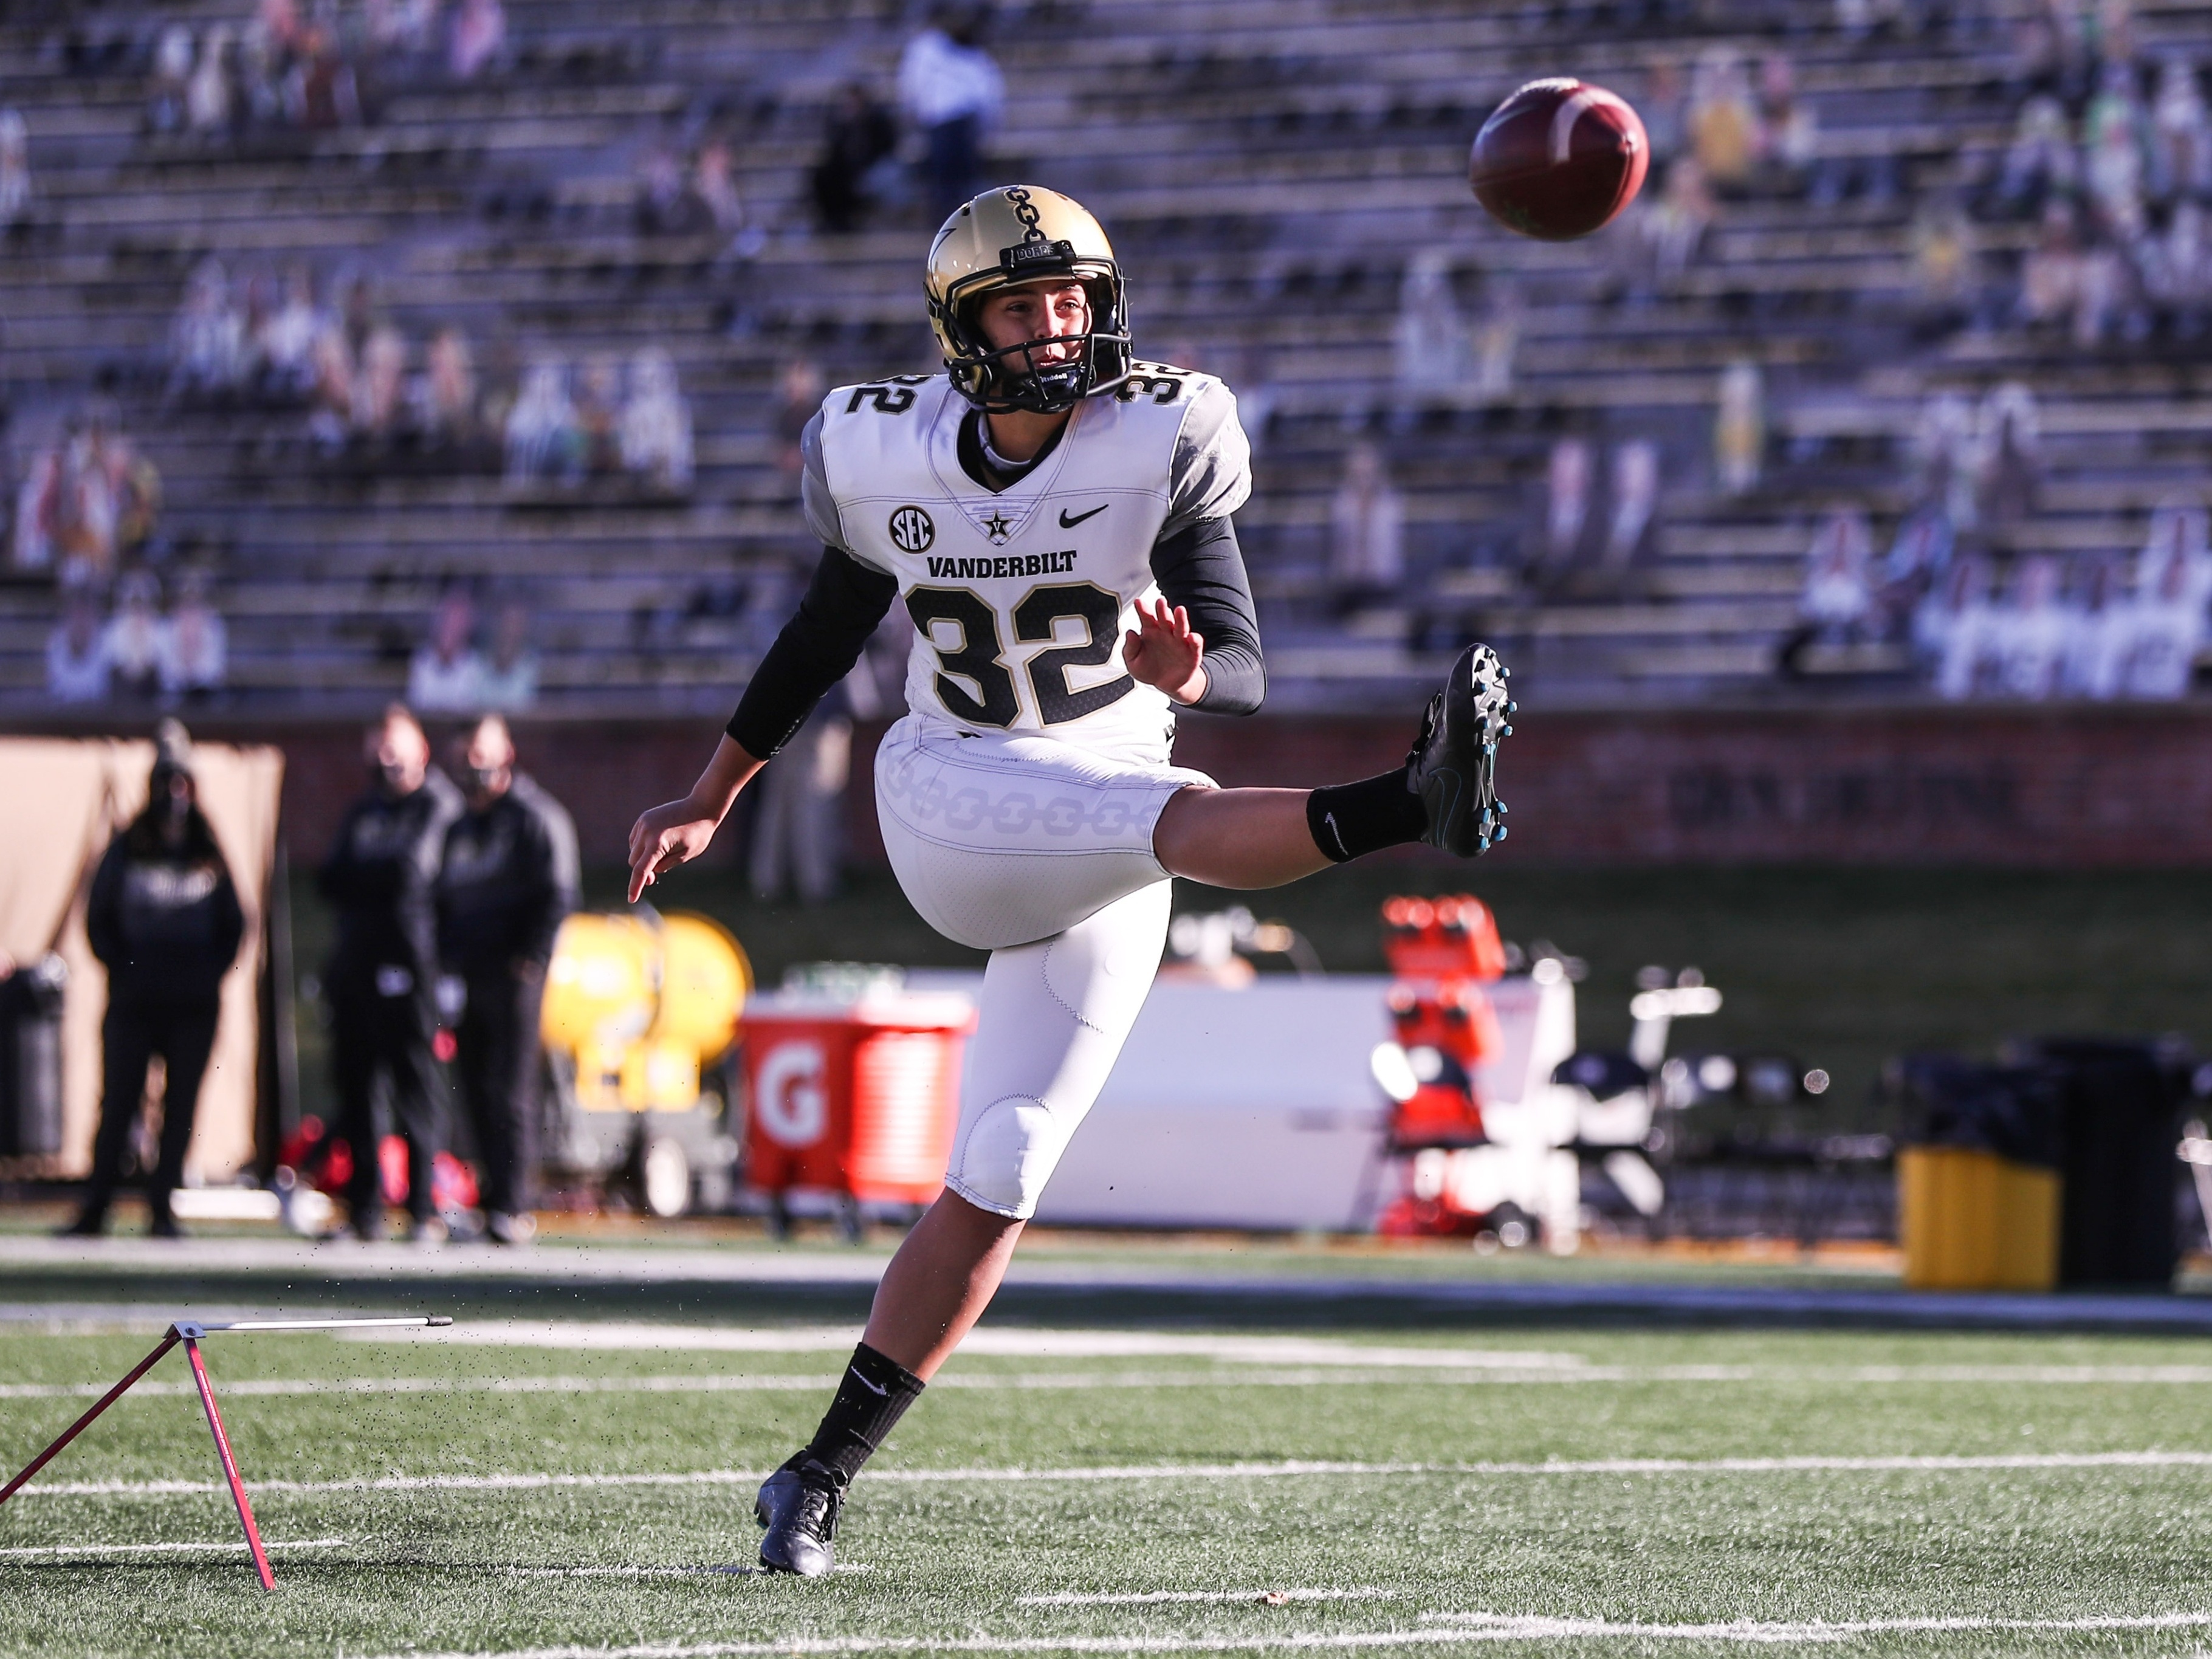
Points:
1196	1490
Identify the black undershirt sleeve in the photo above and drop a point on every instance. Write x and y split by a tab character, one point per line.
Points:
1202	569
817	648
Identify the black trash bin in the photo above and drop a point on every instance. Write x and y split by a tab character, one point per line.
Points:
2120	1110
31	1059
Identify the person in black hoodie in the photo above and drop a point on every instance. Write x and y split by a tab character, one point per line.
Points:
382	979
509	876
164	919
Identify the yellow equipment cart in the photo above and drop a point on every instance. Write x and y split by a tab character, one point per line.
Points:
640	1011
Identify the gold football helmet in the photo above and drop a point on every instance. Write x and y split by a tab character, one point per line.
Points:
1005	239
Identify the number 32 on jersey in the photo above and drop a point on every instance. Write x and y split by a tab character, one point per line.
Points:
973	682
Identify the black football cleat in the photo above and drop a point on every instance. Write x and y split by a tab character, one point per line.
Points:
1454	765
799	1505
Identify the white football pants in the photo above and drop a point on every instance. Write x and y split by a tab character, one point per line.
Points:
1041	854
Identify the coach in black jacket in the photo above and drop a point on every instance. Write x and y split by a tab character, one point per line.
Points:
381	875
164	919
508	877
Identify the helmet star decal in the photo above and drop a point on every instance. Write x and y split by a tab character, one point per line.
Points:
998	528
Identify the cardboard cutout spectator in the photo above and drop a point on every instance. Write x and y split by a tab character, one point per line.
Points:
2033	632
858	136
16	192
446	396
2102	630
1740	429
1958	627
508	679
166	86
380	389
542	438
445	675
1633	529
2169	625
1725	137
1839	598
1496	340
799	390
797	835
655	433
76	654
135	645
196	649
1366	520
2180	133
479	37
287	342
953	92
1568	487
1430	334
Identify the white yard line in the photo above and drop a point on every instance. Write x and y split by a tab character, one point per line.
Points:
658	1572
2171	1376
1011	1342
65	1552
1465	1629
1933	1463
1145	1598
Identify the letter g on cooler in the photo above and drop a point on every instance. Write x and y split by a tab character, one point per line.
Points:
791	1100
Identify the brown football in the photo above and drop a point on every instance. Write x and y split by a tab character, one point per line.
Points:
1559	159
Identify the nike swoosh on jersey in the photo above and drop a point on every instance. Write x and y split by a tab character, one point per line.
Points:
885	1394
1066	523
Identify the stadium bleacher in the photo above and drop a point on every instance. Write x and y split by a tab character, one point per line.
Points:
1268	173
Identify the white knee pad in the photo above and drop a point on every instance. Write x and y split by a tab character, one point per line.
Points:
1054	1016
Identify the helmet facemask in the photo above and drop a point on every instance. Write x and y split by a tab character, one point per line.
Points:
1001	379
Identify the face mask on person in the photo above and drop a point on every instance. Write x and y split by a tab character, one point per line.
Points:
485	780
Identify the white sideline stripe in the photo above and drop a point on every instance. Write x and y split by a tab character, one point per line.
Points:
1928	1463
33	1552
660	1572
1011	1342
1076	1599
1478	1627
2179	1376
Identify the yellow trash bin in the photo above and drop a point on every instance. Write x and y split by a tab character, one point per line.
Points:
1973	1221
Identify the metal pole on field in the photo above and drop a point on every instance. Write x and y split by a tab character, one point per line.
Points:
85	1422
190	1332
229	1464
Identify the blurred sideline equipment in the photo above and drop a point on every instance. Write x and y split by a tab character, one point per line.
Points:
189	1332
1467	1166
1558	160
2053	1168
852	1084
639	1008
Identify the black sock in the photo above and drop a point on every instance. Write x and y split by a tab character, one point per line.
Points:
871	1396
1350	820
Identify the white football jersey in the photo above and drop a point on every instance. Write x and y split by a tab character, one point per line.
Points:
1020	599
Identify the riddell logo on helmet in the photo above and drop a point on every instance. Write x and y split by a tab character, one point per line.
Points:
1059	255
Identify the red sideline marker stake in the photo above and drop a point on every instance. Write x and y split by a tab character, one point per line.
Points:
189	1332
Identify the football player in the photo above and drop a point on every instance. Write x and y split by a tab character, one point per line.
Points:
1056	518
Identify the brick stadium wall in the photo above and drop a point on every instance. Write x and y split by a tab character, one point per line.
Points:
1889	785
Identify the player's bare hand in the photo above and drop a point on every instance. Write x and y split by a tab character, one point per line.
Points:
662	838
1162	651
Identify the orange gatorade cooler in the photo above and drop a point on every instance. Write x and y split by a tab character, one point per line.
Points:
853	1090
